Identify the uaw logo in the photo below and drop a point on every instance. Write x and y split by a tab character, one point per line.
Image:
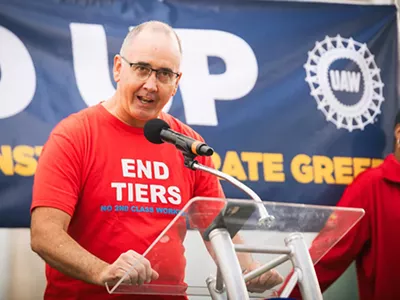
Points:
345	82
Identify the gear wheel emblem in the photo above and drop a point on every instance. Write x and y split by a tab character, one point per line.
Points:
320	58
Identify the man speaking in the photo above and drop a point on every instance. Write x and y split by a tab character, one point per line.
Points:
99	158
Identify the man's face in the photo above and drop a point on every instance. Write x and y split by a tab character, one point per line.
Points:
140	99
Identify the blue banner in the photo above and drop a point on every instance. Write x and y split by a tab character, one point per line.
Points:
296	98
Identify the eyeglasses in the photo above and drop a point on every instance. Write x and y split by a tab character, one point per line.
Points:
143	71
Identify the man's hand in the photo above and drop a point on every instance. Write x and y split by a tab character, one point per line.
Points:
263	282
141	272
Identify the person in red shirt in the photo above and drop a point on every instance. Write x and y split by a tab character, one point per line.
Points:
102	193
372	242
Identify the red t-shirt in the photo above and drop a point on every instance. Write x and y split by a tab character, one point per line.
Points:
373	243
121	191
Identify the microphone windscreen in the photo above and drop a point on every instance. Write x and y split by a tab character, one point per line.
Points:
152	130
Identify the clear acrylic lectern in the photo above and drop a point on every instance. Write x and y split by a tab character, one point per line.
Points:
293	240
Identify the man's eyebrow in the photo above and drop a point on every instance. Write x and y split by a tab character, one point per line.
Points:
165	69
143	63
146	64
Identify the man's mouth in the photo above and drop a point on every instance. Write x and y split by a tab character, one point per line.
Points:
145	100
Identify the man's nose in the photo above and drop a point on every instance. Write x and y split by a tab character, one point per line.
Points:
151	82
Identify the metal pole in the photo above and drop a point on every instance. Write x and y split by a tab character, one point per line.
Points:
290	285
219	283
262	249
228	264
301	259
212	288
266	267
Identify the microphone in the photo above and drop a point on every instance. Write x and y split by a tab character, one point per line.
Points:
158	131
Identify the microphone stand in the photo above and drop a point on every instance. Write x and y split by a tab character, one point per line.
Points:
265	219
228	268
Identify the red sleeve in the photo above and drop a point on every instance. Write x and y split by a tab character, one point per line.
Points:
339	257
57	180
207	185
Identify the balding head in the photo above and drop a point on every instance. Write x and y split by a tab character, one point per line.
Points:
152	26
150	53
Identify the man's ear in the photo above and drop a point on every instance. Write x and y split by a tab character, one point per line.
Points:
176	84
117	68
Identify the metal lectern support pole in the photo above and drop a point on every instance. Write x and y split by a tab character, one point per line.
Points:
304	267
228	264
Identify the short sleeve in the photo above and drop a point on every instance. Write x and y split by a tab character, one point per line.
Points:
57	180
207	185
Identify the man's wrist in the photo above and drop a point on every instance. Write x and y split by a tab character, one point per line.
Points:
99	273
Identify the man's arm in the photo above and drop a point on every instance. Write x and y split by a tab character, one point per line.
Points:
245	259
56	190
50	240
